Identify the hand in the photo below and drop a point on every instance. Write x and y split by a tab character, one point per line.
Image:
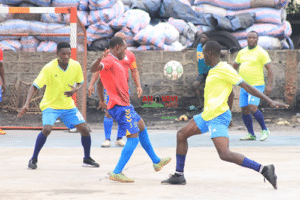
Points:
3	89
139	91
102	105
275	104
268	90
23	111
70	93
91	90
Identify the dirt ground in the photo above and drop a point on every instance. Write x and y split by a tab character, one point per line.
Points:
276	119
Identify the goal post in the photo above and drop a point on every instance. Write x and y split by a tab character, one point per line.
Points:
71	30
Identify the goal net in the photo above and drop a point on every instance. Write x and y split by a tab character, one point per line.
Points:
31	34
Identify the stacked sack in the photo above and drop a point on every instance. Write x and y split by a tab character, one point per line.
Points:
269	20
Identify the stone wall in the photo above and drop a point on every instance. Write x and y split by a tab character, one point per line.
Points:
26	66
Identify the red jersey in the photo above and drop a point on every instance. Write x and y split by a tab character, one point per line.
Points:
128	62
114	80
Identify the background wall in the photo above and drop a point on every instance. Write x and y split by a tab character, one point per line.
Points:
26	66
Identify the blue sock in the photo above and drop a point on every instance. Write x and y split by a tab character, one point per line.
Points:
86	143
40	141
119	135
248	123
251	164
126	154
260	119
107	123
146	144
180	161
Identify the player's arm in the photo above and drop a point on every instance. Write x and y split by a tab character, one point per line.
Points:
2	76
100	90
257	93
74	89
25	108
136	78
91	89
97	65
235	65
270	79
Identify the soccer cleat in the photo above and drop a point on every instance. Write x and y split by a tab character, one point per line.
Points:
248	137
120	177
32	163
269	173
89	163
2	132
105	144
157	167
264	134
120	143
174	179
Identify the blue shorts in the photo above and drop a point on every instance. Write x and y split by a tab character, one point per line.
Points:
246	98
68	117
218	127
106	97
127	119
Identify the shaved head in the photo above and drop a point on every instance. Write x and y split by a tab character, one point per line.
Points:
121	35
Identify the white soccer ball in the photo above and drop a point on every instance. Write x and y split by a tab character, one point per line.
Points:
173	70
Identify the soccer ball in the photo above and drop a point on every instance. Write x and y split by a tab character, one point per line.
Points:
173	70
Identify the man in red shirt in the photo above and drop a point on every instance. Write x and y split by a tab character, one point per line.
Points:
2	83
114	79
129	62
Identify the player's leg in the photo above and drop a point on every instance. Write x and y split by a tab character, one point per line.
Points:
107	123
73	116
119	142
49	117
222	146
230	104
194	127
158	163
246	116
253	106
196	90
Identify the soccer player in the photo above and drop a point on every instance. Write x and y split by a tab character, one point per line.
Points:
129	62
115	81
216	117
62	77
2	83
250	62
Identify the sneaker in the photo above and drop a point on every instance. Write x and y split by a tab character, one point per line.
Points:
2	132
264	134
89	163
73	130
120	177
105	144
157	167
269	173
32	163
248	137
175	179
120	143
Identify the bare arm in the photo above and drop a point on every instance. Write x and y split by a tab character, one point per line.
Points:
91	90
136	78
73	90
25	108
97	66
270	79
100	90
2	76
235	65
257	93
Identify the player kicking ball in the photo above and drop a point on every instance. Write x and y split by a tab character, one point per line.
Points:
115	81
216	117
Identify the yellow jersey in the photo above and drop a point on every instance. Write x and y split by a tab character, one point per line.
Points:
251	63
57	82
218	87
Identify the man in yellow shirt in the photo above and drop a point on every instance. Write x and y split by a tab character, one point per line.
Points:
250	62
216	117
62	77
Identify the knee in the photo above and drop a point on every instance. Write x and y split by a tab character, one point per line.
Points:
46	130
181	136
225	156
83	129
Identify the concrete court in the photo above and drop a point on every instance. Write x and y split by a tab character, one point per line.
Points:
60	176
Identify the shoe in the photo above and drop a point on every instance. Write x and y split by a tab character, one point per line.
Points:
120	143
248	137
269	174
2	132
264	134
89	163
105	144
157	167
175	179
120	177
32	163
73	130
